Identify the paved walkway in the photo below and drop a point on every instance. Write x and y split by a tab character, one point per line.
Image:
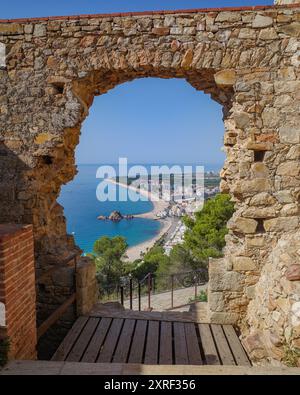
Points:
162	301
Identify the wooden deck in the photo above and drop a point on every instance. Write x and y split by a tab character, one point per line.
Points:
151	342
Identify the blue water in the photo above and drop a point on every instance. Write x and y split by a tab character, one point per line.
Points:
82	208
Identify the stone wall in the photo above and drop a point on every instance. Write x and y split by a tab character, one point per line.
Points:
274	313
246	59
86	286
17	291
279	2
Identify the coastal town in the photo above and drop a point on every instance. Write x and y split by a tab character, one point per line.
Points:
171	202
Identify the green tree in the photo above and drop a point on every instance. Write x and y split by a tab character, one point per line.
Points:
182	259
205	236
107	254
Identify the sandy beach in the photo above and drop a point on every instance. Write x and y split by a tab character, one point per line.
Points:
134	252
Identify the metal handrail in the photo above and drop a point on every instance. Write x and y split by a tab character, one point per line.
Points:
194	280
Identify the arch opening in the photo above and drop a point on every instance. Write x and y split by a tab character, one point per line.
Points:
89	100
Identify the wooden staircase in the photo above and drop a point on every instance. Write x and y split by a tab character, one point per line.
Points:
111	335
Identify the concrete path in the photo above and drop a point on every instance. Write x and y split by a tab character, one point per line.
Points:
162	301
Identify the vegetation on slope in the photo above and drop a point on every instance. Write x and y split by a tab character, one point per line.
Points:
204	238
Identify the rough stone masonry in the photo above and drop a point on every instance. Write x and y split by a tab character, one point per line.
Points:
247	59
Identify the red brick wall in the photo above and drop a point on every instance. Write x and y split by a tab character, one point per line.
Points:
17	289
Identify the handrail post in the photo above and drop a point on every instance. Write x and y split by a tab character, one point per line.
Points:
195	278
139	296
130	291
149	291
172	291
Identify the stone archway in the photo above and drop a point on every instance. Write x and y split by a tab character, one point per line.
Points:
247	59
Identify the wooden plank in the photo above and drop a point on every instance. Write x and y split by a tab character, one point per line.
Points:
166	344
68	342
192	343
123	346
83	340
237	349
208	345
55	316
180	346
151	353
138	342
222	345
111	340
97	341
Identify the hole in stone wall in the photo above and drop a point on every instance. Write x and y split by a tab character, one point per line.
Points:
47	159
259	156
58	88
260	225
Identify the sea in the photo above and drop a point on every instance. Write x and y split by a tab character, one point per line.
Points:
81	209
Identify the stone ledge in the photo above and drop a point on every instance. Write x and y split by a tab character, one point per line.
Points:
110	369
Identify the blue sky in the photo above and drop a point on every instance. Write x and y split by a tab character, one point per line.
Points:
29	8
153	120
147	120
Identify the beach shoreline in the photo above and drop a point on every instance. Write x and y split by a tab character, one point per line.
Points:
135	252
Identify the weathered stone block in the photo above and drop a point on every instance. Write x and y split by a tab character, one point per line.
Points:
216	301
295	310
293	273
292	29
290	209
242	263
262	21
161	31
281	224
257	241
242	120
187	59
289	134
39	30
268	34
86	286
294	153
284	196
259	170
43	138
291	169
259	212
247	33
224	318
228	17
225	78
262	199
226	281
243	225
11	28
260	146
250	292
256	186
